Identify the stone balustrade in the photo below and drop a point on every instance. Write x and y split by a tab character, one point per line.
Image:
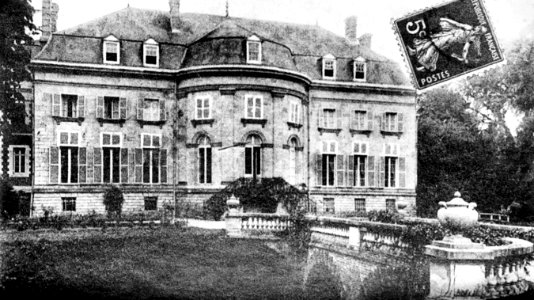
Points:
258	225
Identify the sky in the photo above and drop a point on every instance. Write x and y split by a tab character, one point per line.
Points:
510	18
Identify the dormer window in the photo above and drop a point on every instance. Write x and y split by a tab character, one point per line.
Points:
360	69
111	50
151	53
329	67
253	50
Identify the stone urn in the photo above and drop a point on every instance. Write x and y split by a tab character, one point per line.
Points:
233	204
457	215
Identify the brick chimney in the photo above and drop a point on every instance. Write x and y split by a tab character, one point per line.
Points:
174	5
350	30
365	40
49	19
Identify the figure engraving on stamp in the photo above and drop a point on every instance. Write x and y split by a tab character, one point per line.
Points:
427	50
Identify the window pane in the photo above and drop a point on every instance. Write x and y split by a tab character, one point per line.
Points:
64	164
146	140
115	107
208	165
107	164
155	141
248	161
116	139
146	166
116	164
74	165
155	166
331	166
257	160
201	164
64	138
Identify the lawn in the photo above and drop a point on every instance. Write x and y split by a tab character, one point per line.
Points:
142	263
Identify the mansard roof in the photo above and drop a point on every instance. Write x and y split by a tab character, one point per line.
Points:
293	46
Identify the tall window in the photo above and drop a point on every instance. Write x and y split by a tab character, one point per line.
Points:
203	108
359	205
329	205
329	118
111	50
204	160
391	205
68	147
359	69
151	110
69	106
253	107
391	122
254	50
253	156
111	107
293	161
68	203
390	171
360	120
329	66
360	163
329	163
294	112
151	145
19	162
111	143
151	53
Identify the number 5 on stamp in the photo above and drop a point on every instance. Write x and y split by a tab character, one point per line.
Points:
447	41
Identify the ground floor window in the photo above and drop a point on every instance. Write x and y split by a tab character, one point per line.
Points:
111	164
359	170
69	164
151	203
391	205
204	161
329	206
359	205
390	171
253	156
68	203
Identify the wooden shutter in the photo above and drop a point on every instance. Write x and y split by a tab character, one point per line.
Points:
350	171
319	176
163	165
56	105
138	165
47	100
369	120
53	164
100	107
97	163
162	113
402	172
382	121
340	170
371	171
131	166
320	118
122	108
81	107
382	168
339	118
140	108
400	124
82	162
124	165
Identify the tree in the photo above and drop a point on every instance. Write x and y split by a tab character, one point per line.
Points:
9	200
113	200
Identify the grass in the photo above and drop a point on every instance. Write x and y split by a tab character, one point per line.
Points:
145	264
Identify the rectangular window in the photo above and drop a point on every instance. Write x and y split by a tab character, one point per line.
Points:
253	52
204	155
68	203
390	123
203	108
359	205
359	170
360	120
111	107
111	145
151	203
19	156
69	164
329	169
329	205
391	205
111	52
329	116
294	113
150	165
69	106
151	110
359	70
328	68
252	160
151	55
253	107
390	170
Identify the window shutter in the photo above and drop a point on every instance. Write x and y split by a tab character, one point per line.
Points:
54	164
339	118
370	171
382	176
100	107
97	162
131	166
297	167
82	162
340	168
163	165
350	171
56	105
319	176
81	107
140	109
162	113
400	125
89	161
47	99
369	120
124	165
320	118
122	108
383	122
138	165
402	172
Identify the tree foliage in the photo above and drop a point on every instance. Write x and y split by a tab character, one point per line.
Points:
9	200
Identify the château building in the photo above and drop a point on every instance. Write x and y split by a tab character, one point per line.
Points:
162	102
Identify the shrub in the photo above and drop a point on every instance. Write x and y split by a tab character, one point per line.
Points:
385	216
9	200
113	200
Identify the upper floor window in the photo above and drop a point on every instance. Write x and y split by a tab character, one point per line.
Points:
150	140
67	106
111	108
360	69
392	122
294	113
253	107
203	109
151	110
111	50
329	67
19	163
253	50
329	118
151	53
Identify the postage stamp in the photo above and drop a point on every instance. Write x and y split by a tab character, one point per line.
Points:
448	41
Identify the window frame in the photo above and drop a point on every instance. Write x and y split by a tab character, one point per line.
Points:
295	112
255	152
68	146
333	118
388	204
391	125
205	177
329	149
360	150
148	110
254	40
68	202
360	116
12	160
360	61
64	97
111	40
147	44
110	147
327	59
329	200
391	152
152	135
357	205
254	98
147	200
202	109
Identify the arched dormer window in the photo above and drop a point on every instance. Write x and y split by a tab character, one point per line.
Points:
111	50
360	69
150	53
253	50
329	67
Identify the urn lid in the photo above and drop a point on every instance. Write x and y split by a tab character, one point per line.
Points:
457	201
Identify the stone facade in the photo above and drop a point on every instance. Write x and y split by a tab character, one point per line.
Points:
207	113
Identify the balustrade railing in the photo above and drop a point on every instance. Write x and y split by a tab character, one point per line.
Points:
259	225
